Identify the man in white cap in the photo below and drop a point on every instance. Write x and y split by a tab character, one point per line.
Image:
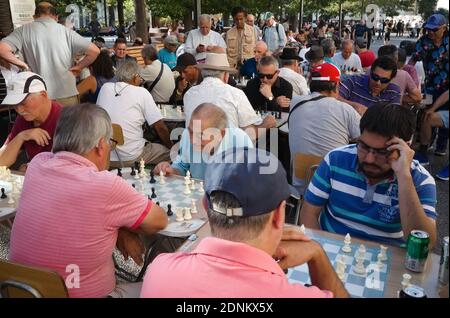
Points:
273	34
36	121
214	89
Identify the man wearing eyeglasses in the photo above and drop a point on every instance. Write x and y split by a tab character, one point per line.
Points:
374	189
362	91
269	91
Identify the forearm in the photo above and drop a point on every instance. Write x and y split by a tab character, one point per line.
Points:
7	54
9	152
412	214
90	57
440	101
324	277
311	221
164	134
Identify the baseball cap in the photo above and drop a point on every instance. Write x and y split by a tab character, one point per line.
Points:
268	15
253	176
435	21
183	61
21	85
326	72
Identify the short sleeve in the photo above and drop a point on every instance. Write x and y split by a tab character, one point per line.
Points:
78	43
246	114
353	123
410	84
151	112
319	188
15	39
345	88
426	191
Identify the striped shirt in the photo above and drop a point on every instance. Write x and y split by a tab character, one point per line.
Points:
351	205
356	89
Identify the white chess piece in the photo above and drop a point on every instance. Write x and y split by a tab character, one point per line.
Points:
406	280
192	184
193	207
179	215
302	229
188	174
340	267
187	178
359	268
379	262
15	189
383	252
187	190
347	241
164	112
187	214
162	179
179	109
200	189
11	199
142	166
361	251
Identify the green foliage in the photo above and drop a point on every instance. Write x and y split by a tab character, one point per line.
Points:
427	7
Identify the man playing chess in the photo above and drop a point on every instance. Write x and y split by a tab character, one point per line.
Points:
374	189
208	133
247	227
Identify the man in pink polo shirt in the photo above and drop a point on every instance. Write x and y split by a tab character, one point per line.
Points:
71	209
36	121
246	216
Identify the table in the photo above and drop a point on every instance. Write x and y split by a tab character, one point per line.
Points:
428	279
8	210
172	113
280	121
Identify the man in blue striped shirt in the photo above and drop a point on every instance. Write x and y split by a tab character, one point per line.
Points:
374	190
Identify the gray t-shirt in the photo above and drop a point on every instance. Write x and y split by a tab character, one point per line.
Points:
49	49
165	86
316	128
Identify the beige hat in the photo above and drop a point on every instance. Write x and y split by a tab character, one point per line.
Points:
217	62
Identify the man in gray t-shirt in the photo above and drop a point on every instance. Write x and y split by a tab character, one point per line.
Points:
323	123
48	49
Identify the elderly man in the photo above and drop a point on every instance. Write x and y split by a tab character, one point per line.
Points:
214	89
207	135
157	76
35	124
247	228
248	69
269	91
362	91
374	190
240	39
347	61
181	37
290	71
167	55
203	40
251	22
120	55
57	230
48	49
131	107
273	34
189	76
329	50
319	122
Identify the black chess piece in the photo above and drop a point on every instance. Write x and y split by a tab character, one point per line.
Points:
119	172
133	171
153	193
279	114
4	196
133	185
137	167
152	177
157	203
169	210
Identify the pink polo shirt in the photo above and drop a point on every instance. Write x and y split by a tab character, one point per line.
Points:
221	269
68	218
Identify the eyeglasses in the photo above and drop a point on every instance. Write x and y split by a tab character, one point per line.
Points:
376	78
379	153
268	76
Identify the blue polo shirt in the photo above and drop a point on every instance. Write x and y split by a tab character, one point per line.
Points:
355	88
352	205
170	58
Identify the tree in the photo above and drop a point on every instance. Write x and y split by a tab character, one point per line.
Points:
141	20
426	7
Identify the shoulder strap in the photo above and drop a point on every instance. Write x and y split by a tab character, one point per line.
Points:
301	103
150	88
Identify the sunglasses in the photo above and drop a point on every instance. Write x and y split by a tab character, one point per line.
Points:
434	30
376	78
268	76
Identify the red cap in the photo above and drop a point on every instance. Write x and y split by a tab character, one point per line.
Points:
326	72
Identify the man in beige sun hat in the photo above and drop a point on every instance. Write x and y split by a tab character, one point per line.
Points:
213	89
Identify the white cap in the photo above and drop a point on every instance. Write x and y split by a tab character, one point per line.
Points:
21	85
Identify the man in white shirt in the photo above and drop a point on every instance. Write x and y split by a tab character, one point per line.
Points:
163	89
131	106
213	89
290	71
347	61
203	40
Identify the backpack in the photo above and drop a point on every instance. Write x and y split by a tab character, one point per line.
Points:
265	28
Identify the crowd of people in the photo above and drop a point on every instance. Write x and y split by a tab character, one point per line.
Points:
349	106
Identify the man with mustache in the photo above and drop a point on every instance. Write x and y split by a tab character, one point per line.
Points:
374	189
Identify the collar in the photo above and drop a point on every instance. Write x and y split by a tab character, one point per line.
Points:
238	253
212	80
75	159
45	19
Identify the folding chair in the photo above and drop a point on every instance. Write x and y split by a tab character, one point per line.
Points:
119	140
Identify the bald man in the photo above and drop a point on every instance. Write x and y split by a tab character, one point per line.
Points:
347	61
248	69
251	22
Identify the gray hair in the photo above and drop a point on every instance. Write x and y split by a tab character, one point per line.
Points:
213	113
149	53
328	46
235	228
80	128
213	73
269	60
346	42
205	17
127	71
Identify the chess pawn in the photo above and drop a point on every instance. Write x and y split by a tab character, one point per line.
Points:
187	180
359	268
379	262
187	214
193	207
11	199
361	251
383	252
164	112
302	229
187	190
192	184
200	189
179	109
179	215
162	179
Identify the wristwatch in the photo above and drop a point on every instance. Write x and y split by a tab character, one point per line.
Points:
270	98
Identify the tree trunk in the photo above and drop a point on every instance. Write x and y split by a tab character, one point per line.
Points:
293	21
120	12
187	20
141	20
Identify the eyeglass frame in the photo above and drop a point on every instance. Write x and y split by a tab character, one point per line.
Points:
379	153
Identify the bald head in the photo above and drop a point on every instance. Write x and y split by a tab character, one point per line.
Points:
211	116
45	9
260	50
250	19
347	49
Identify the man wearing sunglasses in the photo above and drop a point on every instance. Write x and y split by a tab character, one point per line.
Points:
362	91
269	91
374	189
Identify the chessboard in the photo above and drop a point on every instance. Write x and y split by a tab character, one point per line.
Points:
171	113
280	117
368	285
171	192
11	187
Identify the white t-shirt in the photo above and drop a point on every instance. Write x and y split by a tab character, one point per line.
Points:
130	109
298	82
232	100
166	84
195	38
352	64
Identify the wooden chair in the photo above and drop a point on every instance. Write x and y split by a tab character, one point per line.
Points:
119	138
135	51
21	281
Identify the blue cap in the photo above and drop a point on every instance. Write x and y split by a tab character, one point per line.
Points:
435	21
255	177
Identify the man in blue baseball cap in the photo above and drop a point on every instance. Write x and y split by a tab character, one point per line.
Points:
245	193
